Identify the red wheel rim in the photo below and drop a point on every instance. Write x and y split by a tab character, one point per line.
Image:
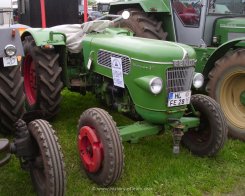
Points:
90	149
30	80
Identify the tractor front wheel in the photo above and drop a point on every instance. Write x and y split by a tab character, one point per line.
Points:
209	138
227	86
42	80
100	147
143	25
47	169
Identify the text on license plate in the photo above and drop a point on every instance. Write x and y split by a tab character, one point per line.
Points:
10	61
179	98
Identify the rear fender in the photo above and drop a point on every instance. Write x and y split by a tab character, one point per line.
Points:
43	37
220	51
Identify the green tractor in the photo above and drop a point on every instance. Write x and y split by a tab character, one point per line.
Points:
146	79
216	30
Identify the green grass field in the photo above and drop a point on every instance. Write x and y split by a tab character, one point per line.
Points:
150	167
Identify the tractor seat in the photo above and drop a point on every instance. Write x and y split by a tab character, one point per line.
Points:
187	14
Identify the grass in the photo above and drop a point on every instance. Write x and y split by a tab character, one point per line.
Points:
150	166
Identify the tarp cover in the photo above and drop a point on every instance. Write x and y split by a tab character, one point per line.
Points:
75	33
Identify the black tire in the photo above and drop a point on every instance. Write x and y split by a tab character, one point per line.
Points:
42	80
47	170
111	164
143	25
12	98
209	138
226	85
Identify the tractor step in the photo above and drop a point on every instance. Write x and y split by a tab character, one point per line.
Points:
4	151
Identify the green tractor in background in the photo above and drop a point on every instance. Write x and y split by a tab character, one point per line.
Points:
216	30
143	78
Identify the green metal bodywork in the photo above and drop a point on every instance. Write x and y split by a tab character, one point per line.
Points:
43	37
230	26
148	59
147	6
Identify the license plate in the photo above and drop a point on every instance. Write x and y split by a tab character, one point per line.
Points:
10	61
179	98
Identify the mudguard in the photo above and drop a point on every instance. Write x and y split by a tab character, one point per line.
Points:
45	36
220	51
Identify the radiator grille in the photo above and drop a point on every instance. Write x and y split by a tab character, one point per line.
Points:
179	78
104	59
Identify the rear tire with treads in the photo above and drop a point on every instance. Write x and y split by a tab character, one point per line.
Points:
12	97
227	86
42	80
143	25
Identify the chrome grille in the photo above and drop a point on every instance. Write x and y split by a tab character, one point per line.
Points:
104	59
179	78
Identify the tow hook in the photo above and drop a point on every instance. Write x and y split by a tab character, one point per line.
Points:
177	135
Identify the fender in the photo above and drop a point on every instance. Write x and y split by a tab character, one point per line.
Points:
45	36
220	51
146	5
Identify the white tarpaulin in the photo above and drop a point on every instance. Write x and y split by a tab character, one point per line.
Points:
75	33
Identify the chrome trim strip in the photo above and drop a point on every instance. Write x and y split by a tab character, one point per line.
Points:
152	62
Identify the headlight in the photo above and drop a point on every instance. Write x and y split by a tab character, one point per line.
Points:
198	80
156	85
10	50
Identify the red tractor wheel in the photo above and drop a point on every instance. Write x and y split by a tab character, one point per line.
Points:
42	80
100	147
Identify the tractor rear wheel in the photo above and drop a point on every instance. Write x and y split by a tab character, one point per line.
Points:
209	138
47	169
42	80
100	147
143	25
227	86
12	98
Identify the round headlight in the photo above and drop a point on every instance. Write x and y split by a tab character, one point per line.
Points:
10	50
156	85
198	80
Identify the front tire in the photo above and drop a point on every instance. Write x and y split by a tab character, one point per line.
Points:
42	80
143	25
227	86
209	138
12	98
100	147
47	169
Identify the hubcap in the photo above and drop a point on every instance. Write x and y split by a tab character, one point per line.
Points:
30	80
232	98
90	149
242	98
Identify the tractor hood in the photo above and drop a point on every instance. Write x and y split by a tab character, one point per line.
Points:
229	28
138	48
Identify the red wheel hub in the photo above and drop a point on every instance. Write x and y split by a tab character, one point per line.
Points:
30	80
90	149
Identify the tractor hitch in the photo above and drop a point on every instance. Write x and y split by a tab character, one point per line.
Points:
177	135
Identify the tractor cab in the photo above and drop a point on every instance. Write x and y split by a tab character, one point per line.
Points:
208	22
